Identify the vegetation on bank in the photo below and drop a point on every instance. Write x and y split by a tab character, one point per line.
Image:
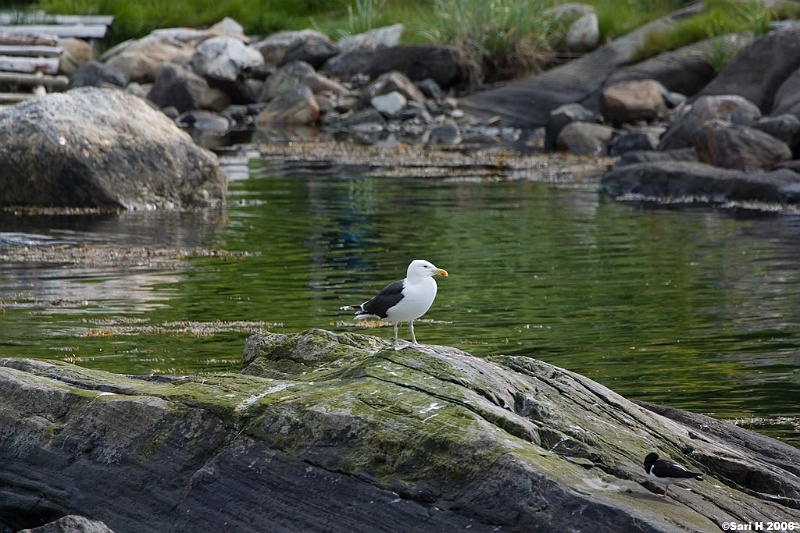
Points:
510	32
718	18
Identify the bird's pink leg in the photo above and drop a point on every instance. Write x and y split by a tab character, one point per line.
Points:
413	337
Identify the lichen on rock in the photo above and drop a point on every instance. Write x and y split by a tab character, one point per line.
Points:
342	432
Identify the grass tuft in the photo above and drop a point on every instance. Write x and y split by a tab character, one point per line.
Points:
718	18
494	34
622	17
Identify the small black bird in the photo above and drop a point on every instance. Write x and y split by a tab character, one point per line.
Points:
666	472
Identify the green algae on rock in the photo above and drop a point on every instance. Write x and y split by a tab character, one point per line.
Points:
343	433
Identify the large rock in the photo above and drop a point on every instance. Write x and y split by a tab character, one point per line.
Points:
390	104
225	59
291	75
685	70
584	138
391	82
695	182
373	39
787	97
102	148
178	87
563	115
139	59
784	127
636	140
71	524
96	74
275	47
731	108
726	145
77	53
583	35
341	433
633	101
293	106
759	70
314	52
228	27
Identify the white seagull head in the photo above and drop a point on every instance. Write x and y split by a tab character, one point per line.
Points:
420	268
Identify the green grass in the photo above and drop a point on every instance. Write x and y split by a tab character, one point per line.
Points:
718	18
514	34
496	25
618	18
259	17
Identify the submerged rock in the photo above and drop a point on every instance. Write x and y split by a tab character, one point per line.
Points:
102	148
341	433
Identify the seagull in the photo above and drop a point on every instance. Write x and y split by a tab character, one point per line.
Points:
667	472
404	300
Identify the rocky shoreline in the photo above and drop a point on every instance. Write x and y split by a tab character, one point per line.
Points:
340	432
737	125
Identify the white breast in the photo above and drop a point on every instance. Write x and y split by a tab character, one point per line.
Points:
418	296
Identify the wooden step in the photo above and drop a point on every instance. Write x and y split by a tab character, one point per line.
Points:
81	31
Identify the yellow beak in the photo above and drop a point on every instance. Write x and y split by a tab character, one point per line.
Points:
440	272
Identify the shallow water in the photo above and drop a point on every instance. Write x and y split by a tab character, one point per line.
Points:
693	308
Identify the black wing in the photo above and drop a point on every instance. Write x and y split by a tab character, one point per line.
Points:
666	469
384	300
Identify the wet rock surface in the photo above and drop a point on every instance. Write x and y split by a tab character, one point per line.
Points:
343	433
694	182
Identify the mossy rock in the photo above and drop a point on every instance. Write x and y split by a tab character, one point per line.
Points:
319	426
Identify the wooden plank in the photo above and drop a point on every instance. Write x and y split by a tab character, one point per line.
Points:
47	65
15	98
30	51
82	31
40	17
20	78
14	39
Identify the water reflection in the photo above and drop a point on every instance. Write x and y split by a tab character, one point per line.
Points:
693	308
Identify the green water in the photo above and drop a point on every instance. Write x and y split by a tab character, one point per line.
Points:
693	308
